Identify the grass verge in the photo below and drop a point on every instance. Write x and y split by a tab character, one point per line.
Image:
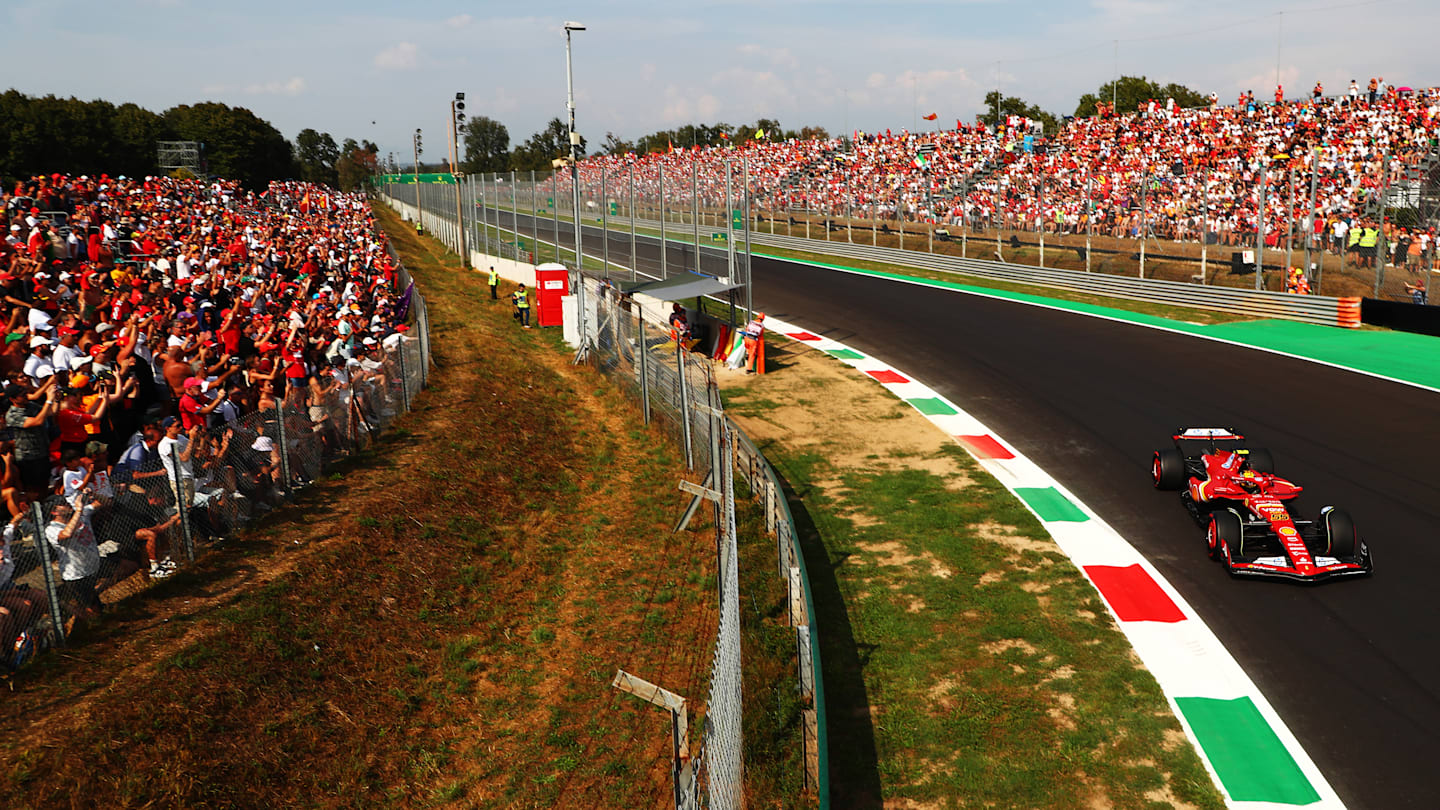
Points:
968	662
439	628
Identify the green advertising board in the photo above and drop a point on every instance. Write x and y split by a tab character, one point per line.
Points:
614	209
410	179
737	219
717	237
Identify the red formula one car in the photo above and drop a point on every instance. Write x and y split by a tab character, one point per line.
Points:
1233	491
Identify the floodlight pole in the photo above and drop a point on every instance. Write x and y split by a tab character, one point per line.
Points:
574	183
457	107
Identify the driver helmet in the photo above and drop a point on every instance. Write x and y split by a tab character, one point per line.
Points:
1248	480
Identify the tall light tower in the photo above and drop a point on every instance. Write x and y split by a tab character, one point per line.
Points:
419	207
457	122
574	138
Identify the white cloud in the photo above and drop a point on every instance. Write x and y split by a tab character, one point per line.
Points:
459	21
293	86
404	56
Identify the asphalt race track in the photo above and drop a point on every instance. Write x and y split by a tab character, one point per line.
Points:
1353	667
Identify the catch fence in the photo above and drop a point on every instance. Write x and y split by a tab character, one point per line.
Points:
1119	226
114	532
677	390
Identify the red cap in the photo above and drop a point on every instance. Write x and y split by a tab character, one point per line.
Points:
183	281
194	382
188	300
65	330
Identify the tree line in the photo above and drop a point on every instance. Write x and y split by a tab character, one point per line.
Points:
46	134
487	141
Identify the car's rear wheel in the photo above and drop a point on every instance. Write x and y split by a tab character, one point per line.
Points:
1167	469
1339	534
1225	532
1262	462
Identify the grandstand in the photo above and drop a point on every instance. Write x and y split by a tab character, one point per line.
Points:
1190	176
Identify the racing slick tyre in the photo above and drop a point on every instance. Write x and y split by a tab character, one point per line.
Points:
1167	469
1262	462
1225	532
1339	533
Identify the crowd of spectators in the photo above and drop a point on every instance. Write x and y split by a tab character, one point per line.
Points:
162	336
1194	173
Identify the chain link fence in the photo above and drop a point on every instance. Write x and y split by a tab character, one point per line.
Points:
677	390
124	518
520	217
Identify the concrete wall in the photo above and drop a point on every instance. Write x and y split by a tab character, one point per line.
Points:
509	269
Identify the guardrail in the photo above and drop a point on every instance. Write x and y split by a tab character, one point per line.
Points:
790	564
1316	309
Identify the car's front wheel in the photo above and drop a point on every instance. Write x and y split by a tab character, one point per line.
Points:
1339	534
1167	469
1224	533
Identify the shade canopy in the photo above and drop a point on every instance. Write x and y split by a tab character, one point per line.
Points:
677	287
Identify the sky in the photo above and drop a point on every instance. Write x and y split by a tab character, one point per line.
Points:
371	70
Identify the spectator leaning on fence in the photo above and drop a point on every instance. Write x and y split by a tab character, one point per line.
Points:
161	321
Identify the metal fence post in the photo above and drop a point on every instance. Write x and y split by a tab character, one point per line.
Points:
604	222
664	272
634	258
695	206
1260	231
404	380
644	352
284	447
177	480
52	591
684	405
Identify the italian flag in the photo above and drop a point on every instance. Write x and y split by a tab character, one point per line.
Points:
920	162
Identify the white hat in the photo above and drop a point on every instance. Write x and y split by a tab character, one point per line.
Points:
101	329
369	341
80	361
263	444
39	341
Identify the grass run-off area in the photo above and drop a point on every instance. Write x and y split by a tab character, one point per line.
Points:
434	624
968	663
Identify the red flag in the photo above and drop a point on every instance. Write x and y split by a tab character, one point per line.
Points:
930	117
672	145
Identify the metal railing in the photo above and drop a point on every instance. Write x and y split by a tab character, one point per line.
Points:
1256	303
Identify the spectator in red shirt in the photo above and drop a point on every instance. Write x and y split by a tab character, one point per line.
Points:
193	408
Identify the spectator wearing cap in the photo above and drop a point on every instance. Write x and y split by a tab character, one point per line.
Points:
65	351
194	407
71	535
37	365
140	462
